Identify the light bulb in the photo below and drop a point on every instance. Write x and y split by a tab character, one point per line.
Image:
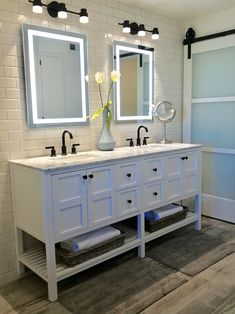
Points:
37	7
141	31
62	11
83	16
155	33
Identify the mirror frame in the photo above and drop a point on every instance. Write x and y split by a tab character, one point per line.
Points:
29	31
117	46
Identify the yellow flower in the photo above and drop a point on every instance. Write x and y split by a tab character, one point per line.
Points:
115	76
99	77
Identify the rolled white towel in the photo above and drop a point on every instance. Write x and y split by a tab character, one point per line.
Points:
90	239
166	211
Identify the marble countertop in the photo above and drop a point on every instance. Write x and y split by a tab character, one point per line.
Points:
96	157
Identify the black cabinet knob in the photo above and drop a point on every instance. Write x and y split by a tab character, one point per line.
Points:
85	177
186	157
155	193
183	158
155	169
91	176
129	201
129	175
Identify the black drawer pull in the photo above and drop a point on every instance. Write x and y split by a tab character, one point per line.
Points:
155	193
129	175
129	201
155	169
91	176
184	158
85	177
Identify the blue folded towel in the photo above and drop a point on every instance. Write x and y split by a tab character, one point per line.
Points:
162	212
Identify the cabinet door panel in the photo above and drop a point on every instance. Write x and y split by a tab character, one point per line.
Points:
173	166
173	188
100	185
153	169
153	194
128	201
191	183
127	175
69	203
191	164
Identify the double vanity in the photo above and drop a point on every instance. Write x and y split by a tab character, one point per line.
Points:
57	198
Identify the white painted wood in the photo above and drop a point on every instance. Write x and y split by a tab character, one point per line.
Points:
153	169
101	205
27	200
202	47
128	201
127	175
69	203
218	150
153	195
212	100
218	207
187	96
103	198
47	205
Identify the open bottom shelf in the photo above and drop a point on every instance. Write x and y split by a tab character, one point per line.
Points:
35	259
190	218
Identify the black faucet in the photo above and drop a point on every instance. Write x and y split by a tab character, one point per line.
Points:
63	147
138	140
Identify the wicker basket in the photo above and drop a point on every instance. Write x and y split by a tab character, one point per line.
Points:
152	225
73	258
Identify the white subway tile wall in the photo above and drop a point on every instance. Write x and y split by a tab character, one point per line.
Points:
18	141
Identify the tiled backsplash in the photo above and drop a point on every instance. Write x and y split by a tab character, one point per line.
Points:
18	141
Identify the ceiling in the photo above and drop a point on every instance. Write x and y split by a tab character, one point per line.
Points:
183	9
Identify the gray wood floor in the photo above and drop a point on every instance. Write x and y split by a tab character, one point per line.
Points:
210	291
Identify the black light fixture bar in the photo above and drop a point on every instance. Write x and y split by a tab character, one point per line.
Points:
54	6
134	28
189	40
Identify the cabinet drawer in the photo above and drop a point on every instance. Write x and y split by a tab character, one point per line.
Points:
127	175
153	169
128	201
153	194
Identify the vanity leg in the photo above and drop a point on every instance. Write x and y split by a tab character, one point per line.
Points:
51	272
197	206
19	249
140	235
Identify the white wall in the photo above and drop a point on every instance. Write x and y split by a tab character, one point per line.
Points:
213	23
18	141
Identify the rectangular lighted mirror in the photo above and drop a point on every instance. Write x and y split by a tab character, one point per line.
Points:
134	90
55	74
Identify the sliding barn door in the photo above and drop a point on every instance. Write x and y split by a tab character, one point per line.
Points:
209	119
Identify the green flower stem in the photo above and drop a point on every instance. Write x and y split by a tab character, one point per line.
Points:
101	96
110	88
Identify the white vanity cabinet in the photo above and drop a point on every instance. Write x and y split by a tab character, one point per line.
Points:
58	198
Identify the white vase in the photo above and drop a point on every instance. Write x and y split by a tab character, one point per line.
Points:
106	141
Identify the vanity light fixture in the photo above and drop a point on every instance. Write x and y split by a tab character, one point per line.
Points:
135	29
56	9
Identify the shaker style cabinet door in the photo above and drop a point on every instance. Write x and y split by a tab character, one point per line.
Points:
182	175
69	203
100	192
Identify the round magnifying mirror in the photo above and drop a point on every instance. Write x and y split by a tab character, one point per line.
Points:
165	112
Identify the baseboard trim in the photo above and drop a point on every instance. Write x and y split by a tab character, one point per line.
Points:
218	207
